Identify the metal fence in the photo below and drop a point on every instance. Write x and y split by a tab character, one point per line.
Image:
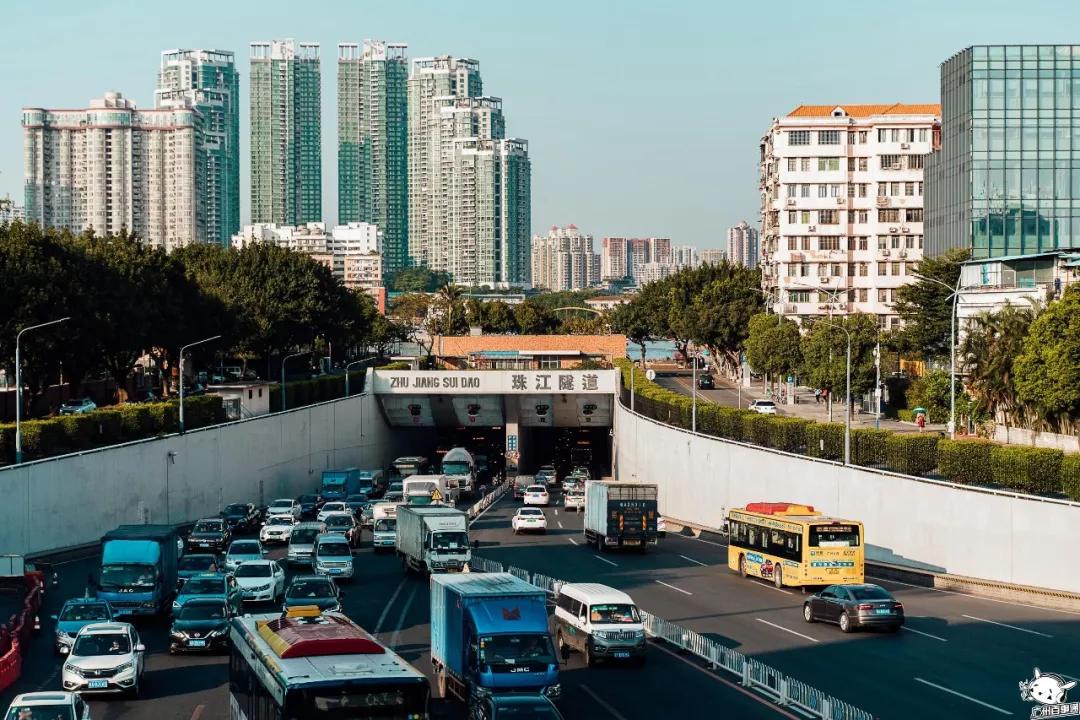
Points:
768	681
485	502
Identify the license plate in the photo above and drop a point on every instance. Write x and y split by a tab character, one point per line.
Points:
883	611
335	571
98	684
631	542
198	643
621	654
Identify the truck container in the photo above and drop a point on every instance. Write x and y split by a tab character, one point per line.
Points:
138	569
620	515
458	465
339	484
428	490
490	634
433	539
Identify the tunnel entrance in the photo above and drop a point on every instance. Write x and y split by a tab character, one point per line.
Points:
567	448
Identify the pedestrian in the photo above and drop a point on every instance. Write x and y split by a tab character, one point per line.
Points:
920	420
817	395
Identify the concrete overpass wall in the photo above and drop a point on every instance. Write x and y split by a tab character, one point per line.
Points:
72	500
925	524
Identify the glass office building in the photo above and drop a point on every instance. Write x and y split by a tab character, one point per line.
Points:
1006	181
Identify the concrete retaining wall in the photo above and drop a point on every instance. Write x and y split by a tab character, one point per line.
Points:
1023	436
72	500
934	526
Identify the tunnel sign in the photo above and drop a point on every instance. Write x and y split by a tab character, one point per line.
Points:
495	382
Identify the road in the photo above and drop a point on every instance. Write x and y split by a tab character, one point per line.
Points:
959	651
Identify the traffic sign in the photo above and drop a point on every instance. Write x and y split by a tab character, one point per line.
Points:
436	496
650	374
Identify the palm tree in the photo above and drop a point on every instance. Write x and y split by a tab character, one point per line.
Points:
987	353
450	298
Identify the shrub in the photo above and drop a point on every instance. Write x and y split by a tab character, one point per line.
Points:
164	417
825	440
404	365
1070	475
787	433
905	415
965	461
110	426
868	446
201	411
40	438
755	428
136	422
79	433
7	443
1027	469
911	453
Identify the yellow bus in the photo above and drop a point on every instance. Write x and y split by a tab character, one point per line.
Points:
790	544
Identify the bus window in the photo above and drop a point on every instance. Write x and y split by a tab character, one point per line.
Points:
834	536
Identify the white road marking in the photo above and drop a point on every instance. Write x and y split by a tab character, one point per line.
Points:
710	542
560	523
962	695
556	513
600	701
396	637
572	540
684	592
197	713
924	634
788	630
601	559
389	604
976	597
696	562
1004	625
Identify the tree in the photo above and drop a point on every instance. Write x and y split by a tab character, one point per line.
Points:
410	312
534	319
719	317
450	311
926	307
773	345
987	357
418	278
824	351
635	321
499	318
1048	368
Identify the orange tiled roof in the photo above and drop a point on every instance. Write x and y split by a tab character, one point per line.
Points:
867	110
607	346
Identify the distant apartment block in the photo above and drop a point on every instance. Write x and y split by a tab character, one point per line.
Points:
619	256
10	212
712	256
842	206
685	256
564	259
742	245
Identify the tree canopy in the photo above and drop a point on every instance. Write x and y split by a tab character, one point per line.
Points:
773	345
418	278
824	351
1048	367
926	307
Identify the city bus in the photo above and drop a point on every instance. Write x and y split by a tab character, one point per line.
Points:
790	544
413	465
309	665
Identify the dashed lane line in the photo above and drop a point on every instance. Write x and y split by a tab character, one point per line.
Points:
605	560
1005	625
696	562
602	703
995	708
684	592
389	604
924	634
396	637
787	630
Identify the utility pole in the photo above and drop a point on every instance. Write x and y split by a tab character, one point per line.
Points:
877	385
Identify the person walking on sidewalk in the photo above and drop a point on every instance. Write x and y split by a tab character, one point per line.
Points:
817	395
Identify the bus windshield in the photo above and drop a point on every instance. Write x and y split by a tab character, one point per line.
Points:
834	536
370	701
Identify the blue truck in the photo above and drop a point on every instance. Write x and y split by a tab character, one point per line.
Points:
490	635
138	569
339	484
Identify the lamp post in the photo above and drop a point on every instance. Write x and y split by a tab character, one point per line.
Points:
847	392
18	384
693	392
354	362
284	360
952	349
182	351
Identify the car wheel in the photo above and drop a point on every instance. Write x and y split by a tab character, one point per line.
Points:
778	578
845	623
742	565
807	613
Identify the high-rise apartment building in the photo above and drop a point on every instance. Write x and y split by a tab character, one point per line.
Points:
286	132
112	167
10	212
373	142
469	185
208	80
619	256
564	259
712	256
684	256
742	245
842	206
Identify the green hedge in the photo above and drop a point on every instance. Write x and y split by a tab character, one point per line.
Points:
869	447
1070	476
825	440
399	365
965	461
1027	469
299	393
788	433
756	428
905	415
911	453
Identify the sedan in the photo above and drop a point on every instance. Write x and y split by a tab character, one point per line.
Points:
241	517
74	616
188	566
317	590
242	551
260	580
855	606
574	499
277	529
764	407
309	506
331	507
705	382
201	626
106	658
77	406
503	707
536	495
529	519
49	704
209	535
212	585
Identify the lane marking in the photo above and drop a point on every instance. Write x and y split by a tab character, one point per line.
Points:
684	592
924	634
974	597
1004	625
995	708
602	703
696	562
733	685
197	713
787	630
707	542
389	604
556	513
396	637
601	559
560	524
572	540
770	585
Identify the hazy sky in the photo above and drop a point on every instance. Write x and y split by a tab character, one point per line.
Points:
643	118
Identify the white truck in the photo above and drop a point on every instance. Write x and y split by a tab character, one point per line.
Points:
429	490
384	525
460	468
620	515
433	539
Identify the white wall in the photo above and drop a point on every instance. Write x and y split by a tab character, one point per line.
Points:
931	525
75	499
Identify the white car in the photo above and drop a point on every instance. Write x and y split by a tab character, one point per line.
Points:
243	551
536	495
527	519
574	500
277	529
50	704
284	506
260	580
765	407
332	507
106	658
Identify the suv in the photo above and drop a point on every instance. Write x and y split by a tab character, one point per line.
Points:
74	616
705	382
765	407
209	535
598	621
284	506
302	542
77	406
332	556
106	658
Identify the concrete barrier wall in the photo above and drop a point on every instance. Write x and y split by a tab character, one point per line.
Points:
72	500
924	524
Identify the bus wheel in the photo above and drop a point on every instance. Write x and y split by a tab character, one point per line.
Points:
778	578
742	565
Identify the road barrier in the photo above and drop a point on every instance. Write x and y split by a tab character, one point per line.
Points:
16	634
485	502
773	684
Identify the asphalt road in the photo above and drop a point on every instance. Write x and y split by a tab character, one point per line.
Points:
959	651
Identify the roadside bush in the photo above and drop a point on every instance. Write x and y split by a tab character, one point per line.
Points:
1027	469
136	422
201	411
755	428
7	443
868	446
79	432
404	365
164	417
40	438
965	461
825	440
110	426
787	433
911	453
1070	475
905	415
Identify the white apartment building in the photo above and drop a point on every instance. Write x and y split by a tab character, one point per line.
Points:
619	256
647	272
684	256
742	245
111	167
712	256
842	206
564	260
10	212
352	251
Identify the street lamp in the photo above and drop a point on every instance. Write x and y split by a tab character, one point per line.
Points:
693	392
847	393
182	350
18	385
952	349
354	362
284	360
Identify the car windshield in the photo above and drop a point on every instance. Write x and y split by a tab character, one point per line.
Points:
84	613
40	712
766	403
308	499
339	521
284	505
533	709
456	468
313	588
532	512
103	644
334	549
280	520
449	541
385	525
254	569
304	536
245	548
200	563
356	499
202	611
516	648
396	486
614	613
236	510
205	586
208	526
870	592
139	576
335	507
834	536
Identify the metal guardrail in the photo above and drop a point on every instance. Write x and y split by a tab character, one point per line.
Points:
770	682
485	502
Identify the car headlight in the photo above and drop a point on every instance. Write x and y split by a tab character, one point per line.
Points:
69	668
149	604
553	691
61	635
179	634
126	666
216	633
175	604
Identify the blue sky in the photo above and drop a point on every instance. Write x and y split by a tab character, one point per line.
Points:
643	118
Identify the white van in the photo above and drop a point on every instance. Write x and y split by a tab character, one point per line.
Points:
384	526
598	621
332	556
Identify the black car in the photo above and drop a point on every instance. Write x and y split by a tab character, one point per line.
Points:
309	506
855	606
705	382
317	590
241	517
201	625
209	535
523	707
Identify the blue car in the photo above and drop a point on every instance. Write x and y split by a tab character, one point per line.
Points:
74	616
210	585
188	566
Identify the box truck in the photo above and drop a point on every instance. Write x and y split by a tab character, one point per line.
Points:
138	569
620	515
433	539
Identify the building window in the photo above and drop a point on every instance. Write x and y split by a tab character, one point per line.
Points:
862	189
548	363
798	137
851	164
919	189
804	217
792	243
837	270
835	190
863	242
909	189
806	242
862	137
863	164
888	215
823	269
828	217
791	164
799	296
792	217
864	216
894	135
881	135
896	269
883	189
864	269
882	269
789	190
822	191
895	242
851	190
909	241
863	294
916	162
914	214
829	243
851	269
890	162
883	295
804	191
804	163
923	134
828	163
894	189
828	137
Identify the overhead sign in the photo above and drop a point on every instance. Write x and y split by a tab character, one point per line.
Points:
494	382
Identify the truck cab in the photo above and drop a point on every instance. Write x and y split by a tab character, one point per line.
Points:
433	539
458	465
384	526
138	569
338	484
429	490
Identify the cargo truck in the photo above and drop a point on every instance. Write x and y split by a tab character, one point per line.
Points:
429	490
620	515
138	569
339	484
433	539
458	465
490	635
